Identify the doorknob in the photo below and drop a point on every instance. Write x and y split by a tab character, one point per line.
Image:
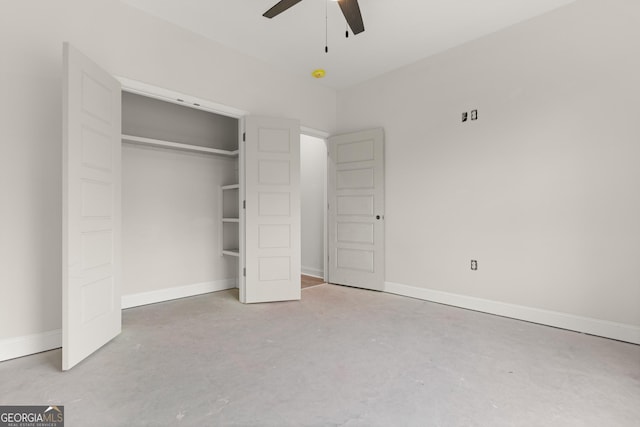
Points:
377	216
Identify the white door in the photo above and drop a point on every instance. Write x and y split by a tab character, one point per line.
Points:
356	209
272	213
91	312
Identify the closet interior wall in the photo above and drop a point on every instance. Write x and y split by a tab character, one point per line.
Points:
171	198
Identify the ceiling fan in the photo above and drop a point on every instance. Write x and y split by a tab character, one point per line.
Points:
350	10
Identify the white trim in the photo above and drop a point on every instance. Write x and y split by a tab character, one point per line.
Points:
231	252
162	295
231	186
236	220
241	210
30	344
602	328
12	348
325	214
313	272
314	132
151	91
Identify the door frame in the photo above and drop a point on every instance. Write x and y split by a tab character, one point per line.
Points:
316	133
325	225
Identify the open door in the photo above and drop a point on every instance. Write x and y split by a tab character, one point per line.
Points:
91	307
356	209
272	210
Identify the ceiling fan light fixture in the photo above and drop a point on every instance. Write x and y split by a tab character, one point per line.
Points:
319	73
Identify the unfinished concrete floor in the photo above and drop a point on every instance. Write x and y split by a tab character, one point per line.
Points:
340	357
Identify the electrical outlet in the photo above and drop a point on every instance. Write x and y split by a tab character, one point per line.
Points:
474	264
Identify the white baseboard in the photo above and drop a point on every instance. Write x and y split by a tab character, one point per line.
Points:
313	272
152	297
30	344
602	328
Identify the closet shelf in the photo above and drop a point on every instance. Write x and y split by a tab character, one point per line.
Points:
178	145
231	187
231	220
231	252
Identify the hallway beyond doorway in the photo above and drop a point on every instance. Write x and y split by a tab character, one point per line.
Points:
309	281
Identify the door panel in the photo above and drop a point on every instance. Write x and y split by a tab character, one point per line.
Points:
272	216
91	313
356	209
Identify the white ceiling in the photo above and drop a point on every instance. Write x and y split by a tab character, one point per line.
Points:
397	32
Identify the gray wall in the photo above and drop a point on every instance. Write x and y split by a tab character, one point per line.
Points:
543	190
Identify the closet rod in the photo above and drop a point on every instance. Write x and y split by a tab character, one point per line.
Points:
178	145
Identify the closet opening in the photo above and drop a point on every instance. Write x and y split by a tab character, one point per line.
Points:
180	192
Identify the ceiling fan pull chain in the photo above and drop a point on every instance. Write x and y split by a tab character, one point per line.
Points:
326	26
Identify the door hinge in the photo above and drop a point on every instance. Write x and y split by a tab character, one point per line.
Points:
244	272
244	204
244	136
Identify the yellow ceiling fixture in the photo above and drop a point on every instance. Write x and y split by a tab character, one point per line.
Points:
319	73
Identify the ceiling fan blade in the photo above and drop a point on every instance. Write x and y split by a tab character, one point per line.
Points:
280	7
351	12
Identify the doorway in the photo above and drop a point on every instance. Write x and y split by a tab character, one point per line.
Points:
313	202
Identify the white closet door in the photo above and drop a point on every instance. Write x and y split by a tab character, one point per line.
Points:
356	209
91	312
272	214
